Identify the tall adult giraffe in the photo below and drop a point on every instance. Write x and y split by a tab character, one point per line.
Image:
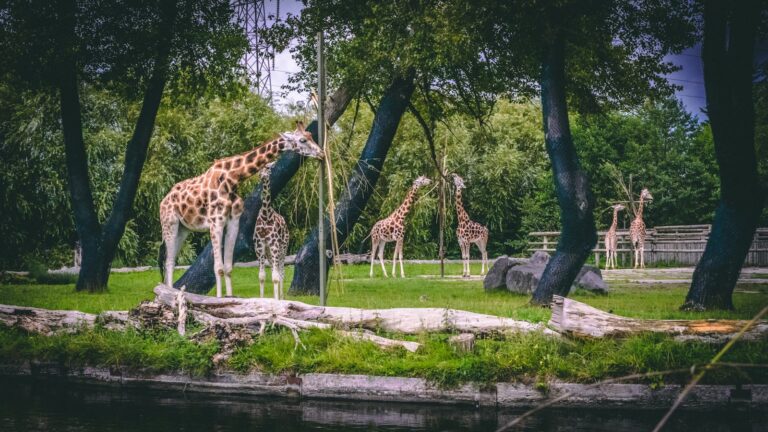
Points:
611	239
637	230
469	231
392	229
210	202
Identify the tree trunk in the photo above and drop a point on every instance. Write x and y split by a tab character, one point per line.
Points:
574	196
360	186
199	278
573	318
728	66
99	244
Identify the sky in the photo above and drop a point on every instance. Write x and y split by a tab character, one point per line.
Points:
690	77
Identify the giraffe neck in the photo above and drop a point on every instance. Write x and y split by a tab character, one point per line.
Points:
405	207
640	209
251	162
460	212
266	193
615	222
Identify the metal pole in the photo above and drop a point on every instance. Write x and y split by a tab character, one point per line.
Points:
441	216
321	170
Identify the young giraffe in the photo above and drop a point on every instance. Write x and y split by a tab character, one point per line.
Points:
637	231
209	202
469	231
611	240
270	238
392	229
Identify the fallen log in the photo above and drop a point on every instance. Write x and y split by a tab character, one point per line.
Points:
49	322
574	318
396	320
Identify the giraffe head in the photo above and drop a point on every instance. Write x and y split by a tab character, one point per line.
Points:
618	207
646	195
421	181
458	181
267	170
301	142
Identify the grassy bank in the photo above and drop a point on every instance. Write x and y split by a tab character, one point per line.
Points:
531	357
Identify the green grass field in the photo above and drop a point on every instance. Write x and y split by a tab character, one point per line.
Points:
513	357
421	288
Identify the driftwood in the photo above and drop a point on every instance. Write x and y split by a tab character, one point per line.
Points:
49	322
397	320
574	318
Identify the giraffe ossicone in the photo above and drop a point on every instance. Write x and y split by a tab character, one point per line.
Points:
469	232
611	239
209	202
637	230
270	237
392	229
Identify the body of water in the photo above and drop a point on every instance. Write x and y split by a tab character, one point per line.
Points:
34	405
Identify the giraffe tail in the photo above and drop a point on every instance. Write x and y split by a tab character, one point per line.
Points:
161	259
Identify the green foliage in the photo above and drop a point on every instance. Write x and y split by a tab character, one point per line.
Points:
189	134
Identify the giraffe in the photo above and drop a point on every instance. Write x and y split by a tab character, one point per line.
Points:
469	231
270	237
392	229
611	240
210	202
637	230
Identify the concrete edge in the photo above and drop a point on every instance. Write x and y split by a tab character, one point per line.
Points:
400	389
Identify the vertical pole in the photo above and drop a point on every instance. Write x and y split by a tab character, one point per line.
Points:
321	169
441	205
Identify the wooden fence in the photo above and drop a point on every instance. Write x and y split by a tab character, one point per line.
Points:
675	244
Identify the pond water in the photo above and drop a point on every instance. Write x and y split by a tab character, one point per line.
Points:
27	405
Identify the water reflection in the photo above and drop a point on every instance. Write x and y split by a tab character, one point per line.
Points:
27	405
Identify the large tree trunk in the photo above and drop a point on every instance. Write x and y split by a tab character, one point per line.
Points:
99	244
199	278
360	186
574	196
728	56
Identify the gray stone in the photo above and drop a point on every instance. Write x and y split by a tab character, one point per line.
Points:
522	279
539	258
590	279
495	279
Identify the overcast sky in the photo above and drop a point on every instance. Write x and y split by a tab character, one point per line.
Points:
690	77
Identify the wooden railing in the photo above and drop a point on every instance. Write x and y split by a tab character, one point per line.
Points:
679	244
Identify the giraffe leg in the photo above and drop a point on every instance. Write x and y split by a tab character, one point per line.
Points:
217	232
275	252
642	256
374	249
483	256
174	240
398	255
402	272
229	250
637	257
382	244
465	258
260	251
394	257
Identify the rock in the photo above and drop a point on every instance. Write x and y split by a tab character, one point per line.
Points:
522	279
539	257
590	279
496	277
464	342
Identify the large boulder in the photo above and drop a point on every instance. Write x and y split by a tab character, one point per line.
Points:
524	278
495	279
539	257
590	279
